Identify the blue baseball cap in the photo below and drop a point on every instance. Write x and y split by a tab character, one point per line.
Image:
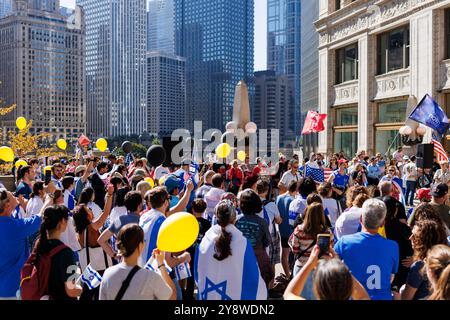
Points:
172	183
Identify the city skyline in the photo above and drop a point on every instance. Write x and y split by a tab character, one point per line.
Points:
260	32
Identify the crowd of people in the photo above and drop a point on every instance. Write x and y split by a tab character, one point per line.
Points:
360	228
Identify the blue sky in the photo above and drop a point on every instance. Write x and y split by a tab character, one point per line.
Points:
260	31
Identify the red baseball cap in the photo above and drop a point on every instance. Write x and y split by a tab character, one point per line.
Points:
342	161
424	193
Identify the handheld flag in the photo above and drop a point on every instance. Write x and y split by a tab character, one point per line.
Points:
429	113
91	278
314	122
183	271
152	265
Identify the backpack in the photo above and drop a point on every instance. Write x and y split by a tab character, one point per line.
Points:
35	274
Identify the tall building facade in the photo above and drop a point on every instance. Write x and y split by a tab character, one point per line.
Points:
283	51
161	26
166	91
372	57
42	69
116	75
309	62
273	99
5	7
217	39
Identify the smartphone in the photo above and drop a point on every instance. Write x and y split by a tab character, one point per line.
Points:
48	177
323	241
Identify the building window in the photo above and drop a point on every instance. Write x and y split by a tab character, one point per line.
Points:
393	50
447	34
391	117
347	64
346	130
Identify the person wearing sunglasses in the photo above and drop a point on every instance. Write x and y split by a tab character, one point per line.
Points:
13	236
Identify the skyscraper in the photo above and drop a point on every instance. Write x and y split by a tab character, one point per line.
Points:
309	69
161	26
166	92
283	50
217	40
5	7
42	69
116	75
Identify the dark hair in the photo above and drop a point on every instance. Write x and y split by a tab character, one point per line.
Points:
115	181
67	182
325	190
314	198
225	213
120	196
132	200
129	239
22	171
306	187
102	165
217	180
250	202
86	195
51	218
438	262
157	197
360	199
38	186
353	192
332	281
80	218
293	186
199	206
262	186
425	211
56	165
33	161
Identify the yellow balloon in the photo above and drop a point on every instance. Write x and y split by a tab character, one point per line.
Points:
223	150
47	168
162	180
101	144
241	155
62	144
21	123
21	162
6	154
151	181
178	232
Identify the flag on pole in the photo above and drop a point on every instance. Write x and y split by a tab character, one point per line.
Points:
314	122
91	278
429	113
439	149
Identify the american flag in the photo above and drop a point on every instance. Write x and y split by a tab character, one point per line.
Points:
327	173
316	174
439	149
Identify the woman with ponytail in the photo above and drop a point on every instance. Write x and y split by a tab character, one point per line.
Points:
225	260
61	281
438	272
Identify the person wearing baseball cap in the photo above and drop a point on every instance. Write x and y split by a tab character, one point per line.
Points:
172	185
440	197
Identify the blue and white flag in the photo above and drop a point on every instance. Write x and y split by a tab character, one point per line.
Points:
183	271
91	278
235	278
152	265
297	207
316	174
429	113
150	222
397	183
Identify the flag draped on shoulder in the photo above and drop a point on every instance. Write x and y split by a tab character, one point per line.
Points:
235	278
150	222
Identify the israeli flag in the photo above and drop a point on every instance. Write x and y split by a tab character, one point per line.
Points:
183	271
152	265
150	222
297	206
235	278
91	278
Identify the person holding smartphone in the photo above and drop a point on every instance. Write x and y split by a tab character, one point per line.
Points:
332	279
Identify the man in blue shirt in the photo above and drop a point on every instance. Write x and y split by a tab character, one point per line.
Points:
372	259
14	251
283	202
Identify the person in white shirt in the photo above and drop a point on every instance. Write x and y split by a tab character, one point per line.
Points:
350	220
410	176
36	201
160	172
289	176
331	206
212	197
143	284
119	209
443	174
